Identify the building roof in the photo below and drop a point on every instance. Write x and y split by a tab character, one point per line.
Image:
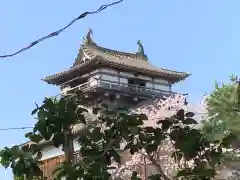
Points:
92	56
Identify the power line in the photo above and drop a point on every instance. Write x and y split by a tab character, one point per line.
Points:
56	33
15	128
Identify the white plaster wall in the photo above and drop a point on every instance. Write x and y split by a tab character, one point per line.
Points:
106	77
127	74
149	84
52	151
162	87
144	78
112	71
123	80
158	80
109	78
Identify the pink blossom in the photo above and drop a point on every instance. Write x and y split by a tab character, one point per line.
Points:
157	110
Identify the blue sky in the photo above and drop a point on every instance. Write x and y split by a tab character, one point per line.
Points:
200	37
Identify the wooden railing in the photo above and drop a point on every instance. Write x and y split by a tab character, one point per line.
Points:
120	87
130	88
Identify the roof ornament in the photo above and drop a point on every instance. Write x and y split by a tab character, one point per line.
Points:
140	50
87	40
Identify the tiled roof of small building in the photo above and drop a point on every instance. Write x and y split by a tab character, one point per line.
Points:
99	55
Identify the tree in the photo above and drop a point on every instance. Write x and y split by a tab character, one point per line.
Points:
223	117
115	131
222	106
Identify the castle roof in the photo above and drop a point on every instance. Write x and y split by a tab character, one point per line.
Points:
91	56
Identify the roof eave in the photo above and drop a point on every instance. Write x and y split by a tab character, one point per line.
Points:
178	76
56	78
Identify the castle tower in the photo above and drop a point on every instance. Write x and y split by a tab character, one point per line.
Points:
106	75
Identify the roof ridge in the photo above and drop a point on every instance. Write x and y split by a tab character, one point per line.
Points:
122	52
114	52
89	42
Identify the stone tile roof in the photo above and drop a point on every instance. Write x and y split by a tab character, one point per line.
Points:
127	59
99	55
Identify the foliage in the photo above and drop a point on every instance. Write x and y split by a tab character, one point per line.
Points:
117	130
223	110
21	162
222	105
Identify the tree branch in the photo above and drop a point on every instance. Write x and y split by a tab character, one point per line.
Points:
155	163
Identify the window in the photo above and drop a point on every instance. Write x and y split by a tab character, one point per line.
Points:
142	83
131	81
137	82
136	85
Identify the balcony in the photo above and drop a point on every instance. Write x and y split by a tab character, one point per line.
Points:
122	88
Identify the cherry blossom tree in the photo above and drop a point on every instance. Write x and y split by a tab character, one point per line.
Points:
160	109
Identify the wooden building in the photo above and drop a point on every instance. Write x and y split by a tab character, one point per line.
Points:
109	76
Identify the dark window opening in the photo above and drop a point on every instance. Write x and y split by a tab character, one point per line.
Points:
136	85
142	83
137	82
131	81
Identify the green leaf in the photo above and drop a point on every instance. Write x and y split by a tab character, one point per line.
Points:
25	148
135	176
134	130
35	138
166	124
189	121
228	140
151	148
34	111
133	120
33	147
190	114
27	135
149	129
180	114
58	139
134	148
184	173
115	156
143	117
155	177
203	172
39	155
